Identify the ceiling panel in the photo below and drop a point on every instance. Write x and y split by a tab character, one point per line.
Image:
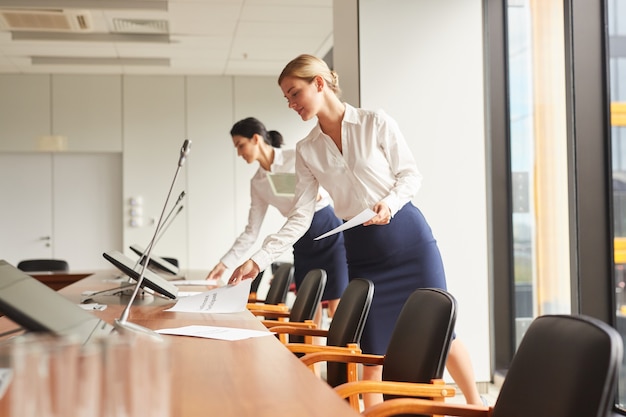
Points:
211	37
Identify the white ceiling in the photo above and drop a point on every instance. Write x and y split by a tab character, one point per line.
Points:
208	37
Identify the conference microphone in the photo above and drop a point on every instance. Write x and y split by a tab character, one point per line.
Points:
164	226
167	225
122	323
184	151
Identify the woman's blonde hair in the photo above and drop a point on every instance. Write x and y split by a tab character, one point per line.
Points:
307	67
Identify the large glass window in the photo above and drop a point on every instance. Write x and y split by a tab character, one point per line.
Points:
616	13
538	160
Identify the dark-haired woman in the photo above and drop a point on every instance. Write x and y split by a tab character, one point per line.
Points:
255	143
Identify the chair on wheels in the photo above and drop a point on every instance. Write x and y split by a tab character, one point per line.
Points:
415	360
277	292
344	331
565	366
43	265
304	306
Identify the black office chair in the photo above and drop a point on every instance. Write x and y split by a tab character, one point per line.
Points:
415	360
304	306
345	329
565	366
43	265
254	286
279	286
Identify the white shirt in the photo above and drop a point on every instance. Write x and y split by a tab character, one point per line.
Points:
262	196
376	165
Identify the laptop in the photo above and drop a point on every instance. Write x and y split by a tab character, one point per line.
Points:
38	308
133	270
156	263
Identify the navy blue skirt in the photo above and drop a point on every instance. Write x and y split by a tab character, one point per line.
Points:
398	258
328	254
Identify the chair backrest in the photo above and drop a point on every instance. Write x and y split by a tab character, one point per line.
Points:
565	366
279	286
309	296
348	323
307	300
254	286
421	337
43	265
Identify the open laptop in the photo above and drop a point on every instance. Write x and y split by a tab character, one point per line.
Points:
38	308
156	263
133	270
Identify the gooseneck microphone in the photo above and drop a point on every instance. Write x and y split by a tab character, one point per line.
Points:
122	323
164	226
184	151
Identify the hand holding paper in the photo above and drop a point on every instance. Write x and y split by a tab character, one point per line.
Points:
359	219
226	299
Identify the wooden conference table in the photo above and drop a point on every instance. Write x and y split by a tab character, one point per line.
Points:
251	377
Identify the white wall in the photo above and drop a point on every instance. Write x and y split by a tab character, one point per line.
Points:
422	61
146	119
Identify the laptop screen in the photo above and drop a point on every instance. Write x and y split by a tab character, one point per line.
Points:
156	262
150	279
36	307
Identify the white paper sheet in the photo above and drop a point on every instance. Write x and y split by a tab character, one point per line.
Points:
226	299
213	332
360	218
194	282
6	375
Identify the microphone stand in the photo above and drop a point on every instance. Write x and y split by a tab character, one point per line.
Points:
122	324
125	288
163	228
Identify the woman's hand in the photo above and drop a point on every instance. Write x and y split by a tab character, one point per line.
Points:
383	214
217	271
249	269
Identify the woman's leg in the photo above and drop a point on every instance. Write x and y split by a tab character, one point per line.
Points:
332	307
460	367
372	373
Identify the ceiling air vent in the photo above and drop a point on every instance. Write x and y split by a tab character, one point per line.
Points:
45	20
143	26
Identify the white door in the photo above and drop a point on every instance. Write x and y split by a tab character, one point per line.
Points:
65	206
87	208
25	206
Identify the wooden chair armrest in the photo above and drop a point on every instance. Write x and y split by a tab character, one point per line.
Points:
419	406
309	324
298	331
345	355
309	348
278	308
436	389
270	314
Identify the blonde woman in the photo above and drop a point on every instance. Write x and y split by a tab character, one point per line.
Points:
363	160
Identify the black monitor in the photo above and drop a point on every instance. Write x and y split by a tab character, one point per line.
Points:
157	263
38	308
150	279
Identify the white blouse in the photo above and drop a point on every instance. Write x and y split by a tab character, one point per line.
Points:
261	197
376	165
